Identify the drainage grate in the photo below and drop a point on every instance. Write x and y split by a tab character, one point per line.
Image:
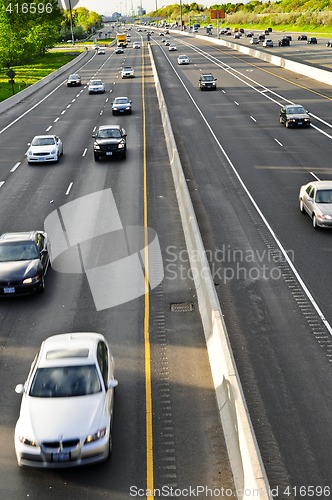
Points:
182	307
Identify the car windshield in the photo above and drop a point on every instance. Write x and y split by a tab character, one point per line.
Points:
296	111
121	101
10	252
324	196
65	382
208	78
74	77
112	133
43	141
96	82
127	68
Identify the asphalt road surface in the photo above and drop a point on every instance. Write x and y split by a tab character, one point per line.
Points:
188	444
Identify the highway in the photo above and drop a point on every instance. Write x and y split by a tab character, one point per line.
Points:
244	172
188	443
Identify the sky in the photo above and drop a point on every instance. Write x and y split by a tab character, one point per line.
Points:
107	7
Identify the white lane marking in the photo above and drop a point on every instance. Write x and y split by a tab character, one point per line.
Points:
48	128
235	102
68	106
15	166
57	119
63	112
69	188
85	151
101	112
315	176
73	100
2	183
278	142
253	119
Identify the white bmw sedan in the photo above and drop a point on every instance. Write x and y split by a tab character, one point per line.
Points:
44	148
67	404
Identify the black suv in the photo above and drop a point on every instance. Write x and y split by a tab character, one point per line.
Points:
110	140
312	40
284	42
207	82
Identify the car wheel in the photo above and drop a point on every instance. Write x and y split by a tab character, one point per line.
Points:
57	158
42	286
301	206
124	155
96	157
314	221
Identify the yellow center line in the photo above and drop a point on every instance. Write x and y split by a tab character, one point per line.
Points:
148	397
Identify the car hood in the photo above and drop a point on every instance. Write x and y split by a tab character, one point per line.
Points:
96	86
19	269
109	140
48	418
42	149
297	116
324	208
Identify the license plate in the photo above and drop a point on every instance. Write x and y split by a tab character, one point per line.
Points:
61	457
41	158
9	290
109	153
300	123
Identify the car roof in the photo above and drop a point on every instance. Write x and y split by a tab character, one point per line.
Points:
121	97
107	127
46	136
19	236
321	184
287	106
69	349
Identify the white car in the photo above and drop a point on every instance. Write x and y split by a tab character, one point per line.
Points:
183	59
96	87
315	198
136	45
127	72
67	403
101	52
172	47
44	148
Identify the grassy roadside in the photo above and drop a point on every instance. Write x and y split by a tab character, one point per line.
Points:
34	71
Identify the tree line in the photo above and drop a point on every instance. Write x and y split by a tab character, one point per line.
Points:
28	28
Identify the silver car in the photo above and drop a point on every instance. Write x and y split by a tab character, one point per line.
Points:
96	87
67	403
127	72
183	59
44	149
316	199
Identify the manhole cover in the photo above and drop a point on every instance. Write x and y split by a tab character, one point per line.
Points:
182	307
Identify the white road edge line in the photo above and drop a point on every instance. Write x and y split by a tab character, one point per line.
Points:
15	166
69	188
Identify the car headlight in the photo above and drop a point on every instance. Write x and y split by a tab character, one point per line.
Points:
121	145
29	152
96	146
31	280
324	217
53	151
95	437
115	108
27	441
128	107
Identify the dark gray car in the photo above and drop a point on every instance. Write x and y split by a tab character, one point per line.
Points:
121	105
110	141
294	115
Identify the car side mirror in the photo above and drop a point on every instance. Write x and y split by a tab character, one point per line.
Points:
29	143
19	389
113	383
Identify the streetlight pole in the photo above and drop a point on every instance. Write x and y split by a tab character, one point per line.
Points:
181	14
71	23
